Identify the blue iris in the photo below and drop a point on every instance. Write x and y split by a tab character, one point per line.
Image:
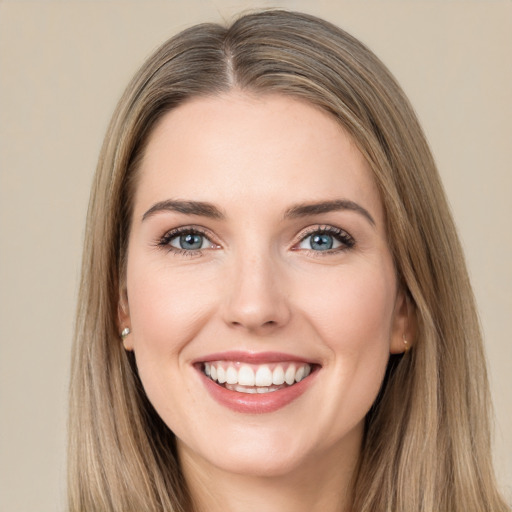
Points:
321	242
191	241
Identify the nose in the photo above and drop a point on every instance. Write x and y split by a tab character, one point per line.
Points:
256	298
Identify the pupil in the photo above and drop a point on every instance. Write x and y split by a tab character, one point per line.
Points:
191	241
321	242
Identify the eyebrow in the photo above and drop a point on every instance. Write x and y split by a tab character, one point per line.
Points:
204	209
307	209
187	207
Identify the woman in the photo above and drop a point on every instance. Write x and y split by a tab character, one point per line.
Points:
268	234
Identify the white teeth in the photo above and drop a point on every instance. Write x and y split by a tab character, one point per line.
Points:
263	376
241	389
278	375
289	376
256	378
221	375
246	376
231	375
250	389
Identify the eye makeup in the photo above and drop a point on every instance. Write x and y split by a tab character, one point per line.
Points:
324	240
176	240
320	240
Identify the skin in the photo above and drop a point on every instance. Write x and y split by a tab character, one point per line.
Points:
258	285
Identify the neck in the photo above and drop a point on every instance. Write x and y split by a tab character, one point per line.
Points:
320	485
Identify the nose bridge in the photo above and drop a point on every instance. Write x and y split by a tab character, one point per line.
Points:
256	298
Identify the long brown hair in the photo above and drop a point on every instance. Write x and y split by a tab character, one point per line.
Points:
426	445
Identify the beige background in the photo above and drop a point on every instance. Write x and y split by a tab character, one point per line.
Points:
63	64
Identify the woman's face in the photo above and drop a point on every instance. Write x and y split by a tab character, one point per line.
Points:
258	255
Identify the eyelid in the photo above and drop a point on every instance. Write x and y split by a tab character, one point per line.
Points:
343	236
346	239
164	240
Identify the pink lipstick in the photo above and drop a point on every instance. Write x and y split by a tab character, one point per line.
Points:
255	383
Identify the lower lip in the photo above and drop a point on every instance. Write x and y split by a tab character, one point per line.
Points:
256	403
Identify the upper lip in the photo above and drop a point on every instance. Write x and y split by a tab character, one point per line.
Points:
253	357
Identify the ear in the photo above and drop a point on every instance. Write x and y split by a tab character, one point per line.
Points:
403	332
123	318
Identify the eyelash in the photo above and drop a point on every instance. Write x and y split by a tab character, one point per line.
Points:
340	235
165	241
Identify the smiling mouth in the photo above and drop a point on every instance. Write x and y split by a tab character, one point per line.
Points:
256	378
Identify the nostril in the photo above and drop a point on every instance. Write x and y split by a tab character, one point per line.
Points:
263	325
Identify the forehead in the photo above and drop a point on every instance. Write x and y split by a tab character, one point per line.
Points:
268	150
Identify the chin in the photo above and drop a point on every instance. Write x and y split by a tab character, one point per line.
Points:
261	463
249	452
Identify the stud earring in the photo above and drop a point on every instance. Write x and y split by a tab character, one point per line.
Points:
406	343
125	333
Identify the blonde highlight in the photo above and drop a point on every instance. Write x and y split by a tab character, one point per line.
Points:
427	441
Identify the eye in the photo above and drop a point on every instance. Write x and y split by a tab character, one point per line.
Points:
187	241
191	241
326	239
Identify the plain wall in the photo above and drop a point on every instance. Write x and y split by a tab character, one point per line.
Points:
64	64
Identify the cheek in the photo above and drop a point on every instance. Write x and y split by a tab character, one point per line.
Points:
354	310
354	318
167	310
166	307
